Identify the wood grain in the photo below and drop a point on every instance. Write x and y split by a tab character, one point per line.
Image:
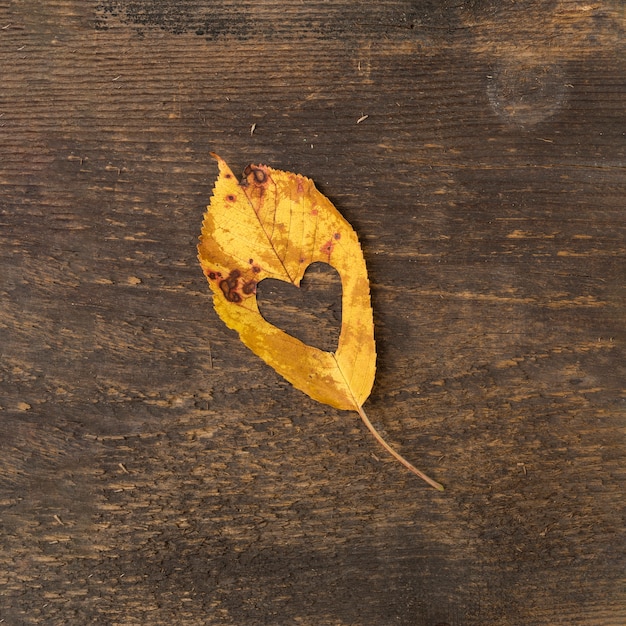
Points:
154	471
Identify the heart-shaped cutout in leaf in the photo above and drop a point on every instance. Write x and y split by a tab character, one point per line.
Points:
274	224
311	312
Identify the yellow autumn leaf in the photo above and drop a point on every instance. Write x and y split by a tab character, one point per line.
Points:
274	224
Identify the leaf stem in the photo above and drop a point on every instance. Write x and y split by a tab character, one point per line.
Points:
384	444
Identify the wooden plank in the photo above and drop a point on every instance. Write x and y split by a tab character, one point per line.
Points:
155	471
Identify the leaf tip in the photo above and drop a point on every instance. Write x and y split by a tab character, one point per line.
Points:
221	163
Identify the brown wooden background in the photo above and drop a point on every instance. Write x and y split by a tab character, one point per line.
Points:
154	471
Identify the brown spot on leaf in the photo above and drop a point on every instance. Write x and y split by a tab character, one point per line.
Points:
249	287
231	198
337	236
256	269
258	174
327	248
229	286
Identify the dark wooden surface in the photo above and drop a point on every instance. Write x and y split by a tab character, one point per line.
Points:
154	471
